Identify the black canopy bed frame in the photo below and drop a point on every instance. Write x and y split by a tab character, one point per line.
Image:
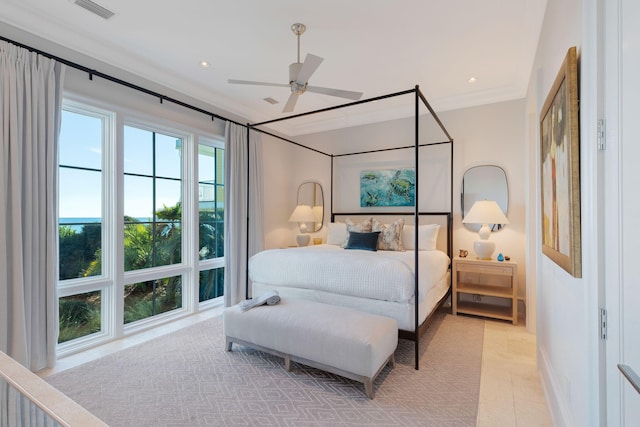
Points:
419	98
419	328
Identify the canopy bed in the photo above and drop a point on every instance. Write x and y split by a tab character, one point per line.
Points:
363	280
412	325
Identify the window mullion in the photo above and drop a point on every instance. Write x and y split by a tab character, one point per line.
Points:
117	231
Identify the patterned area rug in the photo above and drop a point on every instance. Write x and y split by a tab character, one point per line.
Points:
187	379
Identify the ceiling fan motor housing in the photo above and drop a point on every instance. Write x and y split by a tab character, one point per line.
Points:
294	71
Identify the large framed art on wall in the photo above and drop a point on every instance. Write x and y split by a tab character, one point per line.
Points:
387	187
560	169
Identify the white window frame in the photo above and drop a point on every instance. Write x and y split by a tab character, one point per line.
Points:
213	263
112	281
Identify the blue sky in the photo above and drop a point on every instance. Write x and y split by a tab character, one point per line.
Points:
80	190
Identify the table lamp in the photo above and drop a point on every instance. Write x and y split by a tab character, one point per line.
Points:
302	214
485	212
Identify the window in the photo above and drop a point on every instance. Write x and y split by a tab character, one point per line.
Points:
152	199
80	242
80	192
210	219
125	245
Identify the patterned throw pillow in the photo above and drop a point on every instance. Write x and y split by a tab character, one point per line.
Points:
390	235
363	227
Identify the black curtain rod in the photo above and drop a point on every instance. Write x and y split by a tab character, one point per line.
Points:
104	76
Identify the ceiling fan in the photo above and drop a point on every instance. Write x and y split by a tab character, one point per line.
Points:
299	74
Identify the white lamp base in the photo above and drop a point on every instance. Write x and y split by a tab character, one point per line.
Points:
302	239
484	248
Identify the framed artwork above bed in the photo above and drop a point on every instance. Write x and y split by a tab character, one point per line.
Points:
387	187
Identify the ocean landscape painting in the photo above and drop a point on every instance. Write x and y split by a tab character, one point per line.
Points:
387	187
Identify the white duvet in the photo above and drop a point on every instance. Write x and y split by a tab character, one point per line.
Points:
382	275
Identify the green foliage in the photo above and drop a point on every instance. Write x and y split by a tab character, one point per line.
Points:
78	249
146	299
79	316
211	284
211	233
146	245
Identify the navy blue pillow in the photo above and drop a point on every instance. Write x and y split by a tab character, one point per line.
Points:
365	241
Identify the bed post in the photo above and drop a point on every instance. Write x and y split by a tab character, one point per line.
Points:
331	199
416	333
450	227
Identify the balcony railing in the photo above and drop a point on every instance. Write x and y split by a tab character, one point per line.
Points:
27	400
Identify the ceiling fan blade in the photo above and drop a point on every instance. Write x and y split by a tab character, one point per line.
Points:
310	65
291	103
335	92
249	82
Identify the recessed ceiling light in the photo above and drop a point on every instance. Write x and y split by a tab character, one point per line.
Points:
204	64
472	80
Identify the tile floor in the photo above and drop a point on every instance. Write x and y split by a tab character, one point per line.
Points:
510	389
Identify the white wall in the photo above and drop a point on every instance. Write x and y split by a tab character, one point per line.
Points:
286	166
567	307
492	134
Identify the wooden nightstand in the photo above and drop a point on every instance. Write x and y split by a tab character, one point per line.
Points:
485	278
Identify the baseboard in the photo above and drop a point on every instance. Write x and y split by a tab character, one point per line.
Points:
552	388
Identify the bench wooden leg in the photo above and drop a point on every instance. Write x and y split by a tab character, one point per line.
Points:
287	363
368	387
392	361
229	344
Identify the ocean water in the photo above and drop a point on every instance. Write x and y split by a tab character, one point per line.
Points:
79	220
77	223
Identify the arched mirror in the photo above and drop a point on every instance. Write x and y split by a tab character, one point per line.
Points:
484	183
310	194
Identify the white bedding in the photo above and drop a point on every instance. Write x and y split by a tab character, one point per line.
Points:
380	275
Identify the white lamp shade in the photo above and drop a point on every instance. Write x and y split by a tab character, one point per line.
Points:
302	213
485	212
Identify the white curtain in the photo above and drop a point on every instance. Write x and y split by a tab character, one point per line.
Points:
235	208
30	110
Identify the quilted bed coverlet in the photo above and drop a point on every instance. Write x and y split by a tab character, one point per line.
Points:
382	275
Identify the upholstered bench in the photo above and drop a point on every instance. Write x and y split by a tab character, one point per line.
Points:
340	340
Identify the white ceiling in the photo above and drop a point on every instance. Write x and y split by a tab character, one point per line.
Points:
371	46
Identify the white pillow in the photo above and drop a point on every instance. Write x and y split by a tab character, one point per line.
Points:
427	237
338	234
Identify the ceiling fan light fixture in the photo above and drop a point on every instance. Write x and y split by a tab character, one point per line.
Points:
298	88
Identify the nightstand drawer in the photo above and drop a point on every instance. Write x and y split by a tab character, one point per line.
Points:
486	269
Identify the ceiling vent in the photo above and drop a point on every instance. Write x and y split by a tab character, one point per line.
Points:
95	8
